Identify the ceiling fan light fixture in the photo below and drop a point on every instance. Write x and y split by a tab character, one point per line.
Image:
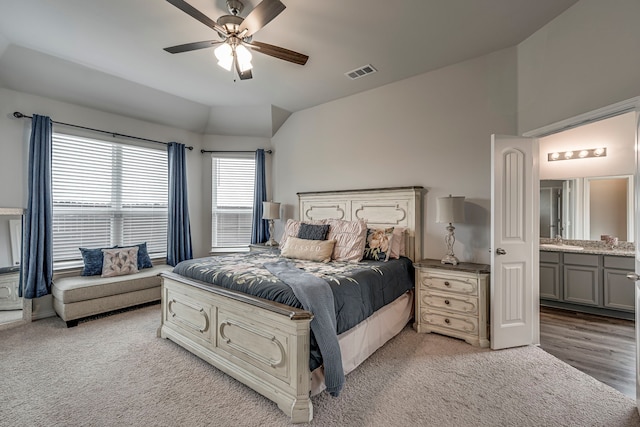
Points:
226	63
224	52
244	58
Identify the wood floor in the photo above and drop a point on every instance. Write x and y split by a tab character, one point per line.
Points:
602	347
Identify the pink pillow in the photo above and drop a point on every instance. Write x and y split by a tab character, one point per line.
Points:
398	244
350	237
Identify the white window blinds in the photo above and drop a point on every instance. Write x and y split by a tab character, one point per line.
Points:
232	201
107	194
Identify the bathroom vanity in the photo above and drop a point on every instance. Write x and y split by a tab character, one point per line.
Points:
588	276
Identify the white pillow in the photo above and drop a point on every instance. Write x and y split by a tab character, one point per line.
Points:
350	237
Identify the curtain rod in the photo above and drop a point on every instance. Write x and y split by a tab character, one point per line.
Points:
19	115
241	151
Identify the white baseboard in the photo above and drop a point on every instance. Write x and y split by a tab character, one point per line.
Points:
43	314
42	308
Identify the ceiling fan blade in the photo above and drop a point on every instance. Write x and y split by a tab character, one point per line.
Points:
196	14
279	52
243	75
260	16
192	46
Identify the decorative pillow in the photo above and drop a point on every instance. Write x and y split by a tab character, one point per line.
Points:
398	244
292	227
313	231
350	237
311	250
378	247
144	261
93	259
120	261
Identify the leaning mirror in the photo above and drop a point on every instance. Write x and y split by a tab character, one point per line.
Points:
14	310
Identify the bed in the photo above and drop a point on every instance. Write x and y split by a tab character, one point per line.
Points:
267	345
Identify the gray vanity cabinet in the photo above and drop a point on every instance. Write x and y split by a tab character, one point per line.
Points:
619	292
591	283
550	276
582	283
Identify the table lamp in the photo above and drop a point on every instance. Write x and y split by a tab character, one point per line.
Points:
449	210
271	212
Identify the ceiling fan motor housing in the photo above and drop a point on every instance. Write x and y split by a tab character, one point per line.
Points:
235	6
231	23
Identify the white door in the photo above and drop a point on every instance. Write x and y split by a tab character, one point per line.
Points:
515	303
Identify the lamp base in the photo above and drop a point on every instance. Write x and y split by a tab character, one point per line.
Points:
450	259
271	242
449	240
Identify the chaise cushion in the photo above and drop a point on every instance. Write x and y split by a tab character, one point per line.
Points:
81	288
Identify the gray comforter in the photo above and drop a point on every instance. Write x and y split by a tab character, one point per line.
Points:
359	289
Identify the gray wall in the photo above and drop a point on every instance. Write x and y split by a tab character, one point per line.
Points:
585	59
431	130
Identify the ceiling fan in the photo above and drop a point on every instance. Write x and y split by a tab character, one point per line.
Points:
236	35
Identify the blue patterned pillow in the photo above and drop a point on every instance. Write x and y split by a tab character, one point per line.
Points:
378	246
144	261
313	232
93	259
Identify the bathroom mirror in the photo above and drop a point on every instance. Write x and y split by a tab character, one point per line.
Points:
586	208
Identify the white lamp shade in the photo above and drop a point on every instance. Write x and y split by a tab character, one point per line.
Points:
224	51
270	210
450	209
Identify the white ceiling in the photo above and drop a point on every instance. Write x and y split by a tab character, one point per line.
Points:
108	54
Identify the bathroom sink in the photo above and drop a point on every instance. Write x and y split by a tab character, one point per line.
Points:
561	247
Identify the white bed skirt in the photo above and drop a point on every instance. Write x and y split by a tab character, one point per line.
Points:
361	341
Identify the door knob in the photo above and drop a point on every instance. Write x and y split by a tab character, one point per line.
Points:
633	276
501	251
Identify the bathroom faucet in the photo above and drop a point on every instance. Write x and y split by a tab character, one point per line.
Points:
558	239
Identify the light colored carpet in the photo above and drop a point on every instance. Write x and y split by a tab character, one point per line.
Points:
109	372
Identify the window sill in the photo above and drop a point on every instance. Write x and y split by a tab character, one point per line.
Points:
223	251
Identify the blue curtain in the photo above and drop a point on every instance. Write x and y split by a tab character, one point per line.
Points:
259	226
179	229
37	234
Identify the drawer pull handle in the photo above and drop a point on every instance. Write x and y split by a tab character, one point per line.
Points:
447	321
447	284
446	301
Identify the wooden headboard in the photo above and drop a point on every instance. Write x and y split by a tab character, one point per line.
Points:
381	207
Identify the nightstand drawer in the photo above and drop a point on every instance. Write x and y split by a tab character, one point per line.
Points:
454	322
457	303
449	283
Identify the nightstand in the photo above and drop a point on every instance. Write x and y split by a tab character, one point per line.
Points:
254	247
453	300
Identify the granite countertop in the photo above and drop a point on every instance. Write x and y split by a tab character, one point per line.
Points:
592	247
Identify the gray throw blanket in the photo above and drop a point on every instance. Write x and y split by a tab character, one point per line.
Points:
316	296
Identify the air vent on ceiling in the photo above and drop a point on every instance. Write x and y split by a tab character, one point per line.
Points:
361	72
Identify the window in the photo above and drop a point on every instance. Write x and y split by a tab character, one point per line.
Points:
231	201
107	194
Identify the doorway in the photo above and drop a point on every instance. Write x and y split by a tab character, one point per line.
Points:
577	134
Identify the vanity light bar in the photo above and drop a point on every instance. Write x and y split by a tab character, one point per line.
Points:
577	154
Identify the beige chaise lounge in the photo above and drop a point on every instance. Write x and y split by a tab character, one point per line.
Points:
76	297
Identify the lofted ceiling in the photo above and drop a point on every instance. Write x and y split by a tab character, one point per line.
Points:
109	55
